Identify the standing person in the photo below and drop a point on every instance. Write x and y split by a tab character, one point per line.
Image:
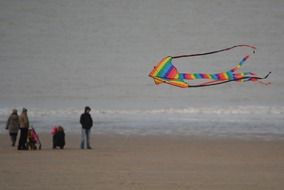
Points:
87	123
24	127
13	126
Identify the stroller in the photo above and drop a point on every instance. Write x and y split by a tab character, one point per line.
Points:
33	142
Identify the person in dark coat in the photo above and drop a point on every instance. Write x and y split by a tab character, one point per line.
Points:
59	138
87	123
13	125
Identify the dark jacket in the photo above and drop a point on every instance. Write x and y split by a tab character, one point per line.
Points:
59	139
86	121
13	123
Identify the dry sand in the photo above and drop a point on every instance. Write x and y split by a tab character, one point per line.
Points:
145	162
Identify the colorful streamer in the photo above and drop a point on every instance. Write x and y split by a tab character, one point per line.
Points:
166	72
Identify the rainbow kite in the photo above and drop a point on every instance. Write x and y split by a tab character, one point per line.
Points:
166	72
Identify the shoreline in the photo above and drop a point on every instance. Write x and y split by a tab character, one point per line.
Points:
73	139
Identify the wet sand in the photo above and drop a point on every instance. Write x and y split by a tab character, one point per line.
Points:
145	162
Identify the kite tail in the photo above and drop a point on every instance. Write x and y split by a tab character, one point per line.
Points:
240	64
245	78
217	51
229	75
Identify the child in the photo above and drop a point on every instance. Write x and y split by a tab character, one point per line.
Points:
58	137
31	144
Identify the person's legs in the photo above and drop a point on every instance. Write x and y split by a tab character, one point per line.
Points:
88	131
25	137
54	141
20	146
83	136
13	137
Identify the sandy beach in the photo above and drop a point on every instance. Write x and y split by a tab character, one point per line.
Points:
56	57
145	162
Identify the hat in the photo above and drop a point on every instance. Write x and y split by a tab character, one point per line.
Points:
87	108
25	110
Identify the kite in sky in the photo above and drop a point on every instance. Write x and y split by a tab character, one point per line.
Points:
166	72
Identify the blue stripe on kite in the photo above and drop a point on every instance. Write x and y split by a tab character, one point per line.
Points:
171	67
243	60
198	75
165	69
214	76
181	76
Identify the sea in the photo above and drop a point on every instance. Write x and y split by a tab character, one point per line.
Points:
56	57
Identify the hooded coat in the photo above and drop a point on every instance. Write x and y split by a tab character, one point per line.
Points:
86	121
13	123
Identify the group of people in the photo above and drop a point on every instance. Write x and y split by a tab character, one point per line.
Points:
21	123
16	123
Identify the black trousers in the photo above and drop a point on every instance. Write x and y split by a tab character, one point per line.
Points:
23	139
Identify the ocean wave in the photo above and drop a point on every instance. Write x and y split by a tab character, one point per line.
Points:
209	121
226	110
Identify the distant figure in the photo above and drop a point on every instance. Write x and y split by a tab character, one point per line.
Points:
24	127
87	123
13	126
58	139
33	140
31	144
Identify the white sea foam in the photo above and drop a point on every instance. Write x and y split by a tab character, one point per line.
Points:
223	110
241	121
